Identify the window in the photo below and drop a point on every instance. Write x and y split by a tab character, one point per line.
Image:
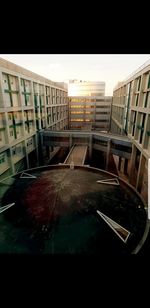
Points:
35	100
142	128
11	133
139	83
47	100
19	149
146	103
14	151
148	86
102	120
136	100
29	142
2	158
101	112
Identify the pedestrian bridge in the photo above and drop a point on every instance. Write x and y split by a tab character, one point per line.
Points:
116	144
77	155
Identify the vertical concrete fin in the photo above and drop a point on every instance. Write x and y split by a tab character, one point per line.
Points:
149	188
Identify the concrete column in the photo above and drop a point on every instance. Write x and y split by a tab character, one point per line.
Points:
37	150
11	161
133	157
2	105
148	193
45	107
19	93
119	164
7	135
41	158
90	146
38	115
108	153
140	173
27	161
26	153
125	165
32	99
41	138
37	156
70	141
2	99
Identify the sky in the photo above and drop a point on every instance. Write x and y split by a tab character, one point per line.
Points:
109	68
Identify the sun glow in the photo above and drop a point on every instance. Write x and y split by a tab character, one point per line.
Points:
72	91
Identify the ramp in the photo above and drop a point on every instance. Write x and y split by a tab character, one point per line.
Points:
77	155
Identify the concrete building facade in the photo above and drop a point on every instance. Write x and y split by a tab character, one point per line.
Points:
28	103
131	116
90	112
89	108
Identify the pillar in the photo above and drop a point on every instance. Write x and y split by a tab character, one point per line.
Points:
27	161
133	158
108	153
125	166
90	147
140	175
119	164
70	141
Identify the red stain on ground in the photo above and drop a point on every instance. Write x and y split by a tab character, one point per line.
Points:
40	200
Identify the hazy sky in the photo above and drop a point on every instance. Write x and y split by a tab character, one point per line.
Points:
94	67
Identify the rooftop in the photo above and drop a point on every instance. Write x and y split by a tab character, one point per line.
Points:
21	70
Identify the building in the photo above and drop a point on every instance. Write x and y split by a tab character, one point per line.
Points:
89	108
90	112
86	88
28	103
131	116
31	105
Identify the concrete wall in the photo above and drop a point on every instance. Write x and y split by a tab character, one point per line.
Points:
28	103
131	116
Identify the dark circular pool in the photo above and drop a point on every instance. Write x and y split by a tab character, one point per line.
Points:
55	212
